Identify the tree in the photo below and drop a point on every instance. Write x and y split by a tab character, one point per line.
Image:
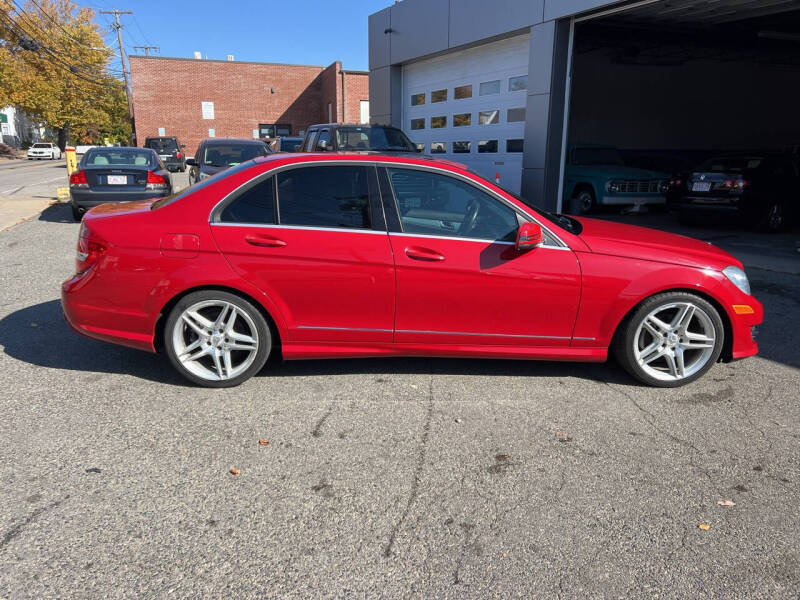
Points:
55	66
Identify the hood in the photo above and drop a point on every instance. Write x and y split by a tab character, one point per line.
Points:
618	172
618	239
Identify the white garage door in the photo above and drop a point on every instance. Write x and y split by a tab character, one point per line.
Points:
469	106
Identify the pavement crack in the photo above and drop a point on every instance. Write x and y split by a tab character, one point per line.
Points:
17	528
316	431
414	493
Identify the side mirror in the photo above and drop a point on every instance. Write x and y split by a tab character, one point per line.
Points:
529	235
420	147
324	145
191	162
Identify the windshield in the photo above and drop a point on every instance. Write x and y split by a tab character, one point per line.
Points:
596	156
373	138
119	156
165	145
562	221
41	145
228	155
731	163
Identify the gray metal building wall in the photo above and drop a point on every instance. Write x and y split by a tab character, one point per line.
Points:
417	29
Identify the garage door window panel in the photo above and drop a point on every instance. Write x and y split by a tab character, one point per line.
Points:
514	145
515	115
438	205
438	147
324	197
488	88
417	124
462	92
438	122
485	146
489	117
462	120
417	99
438	96
517	84
462	147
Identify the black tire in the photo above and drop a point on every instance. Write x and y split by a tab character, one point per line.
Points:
773	220
584	202
264	336
76	214
625	338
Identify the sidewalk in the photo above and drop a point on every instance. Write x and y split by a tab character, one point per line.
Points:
16	209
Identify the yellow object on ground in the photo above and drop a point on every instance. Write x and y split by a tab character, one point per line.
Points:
63	192
72	163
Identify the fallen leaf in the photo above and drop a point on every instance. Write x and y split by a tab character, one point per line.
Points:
235	471
704	526
726	502
263	443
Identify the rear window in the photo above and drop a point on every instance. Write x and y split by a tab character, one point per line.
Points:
228	155
165	145
119	157
161	202
731	163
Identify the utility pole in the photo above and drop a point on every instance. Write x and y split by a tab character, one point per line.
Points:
147	49
118	26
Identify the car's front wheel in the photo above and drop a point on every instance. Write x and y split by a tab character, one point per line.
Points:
217	339
670	340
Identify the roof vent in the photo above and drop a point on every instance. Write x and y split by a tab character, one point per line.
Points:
198	55
229	57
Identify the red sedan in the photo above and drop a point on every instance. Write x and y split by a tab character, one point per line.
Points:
355	255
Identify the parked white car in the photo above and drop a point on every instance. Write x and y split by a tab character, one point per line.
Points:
81	150
44	150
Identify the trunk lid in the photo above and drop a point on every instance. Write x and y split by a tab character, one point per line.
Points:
116	178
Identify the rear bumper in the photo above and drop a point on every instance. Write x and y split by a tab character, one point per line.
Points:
86	199
99	322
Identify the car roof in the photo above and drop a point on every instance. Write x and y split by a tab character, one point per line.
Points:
349	125
410	158
211	141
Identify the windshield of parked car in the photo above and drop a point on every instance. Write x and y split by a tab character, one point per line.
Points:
726	164
290	144
163	145
597	156
41	145
127	157
228	155
373	138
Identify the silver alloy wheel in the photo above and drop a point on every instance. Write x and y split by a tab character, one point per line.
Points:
674	341
215	340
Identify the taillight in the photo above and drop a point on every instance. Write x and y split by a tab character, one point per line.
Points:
737	185
155	181
78	180
89	250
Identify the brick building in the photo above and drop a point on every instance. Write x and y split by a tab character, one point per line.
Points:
194	99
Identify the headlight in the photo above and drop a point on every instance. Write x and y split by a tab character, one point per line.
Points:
613	187
738	278
663	187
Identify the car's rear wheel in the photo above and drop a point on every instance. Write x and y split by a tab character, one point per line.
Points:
670	340
216	339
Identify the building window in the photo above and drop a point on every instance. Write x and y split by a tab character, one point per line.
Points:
461	147
417	99
516	84
489	87
417	123
463	91
438	96
462	120
438	147
489	117
515	114
487	146
438	122
514	145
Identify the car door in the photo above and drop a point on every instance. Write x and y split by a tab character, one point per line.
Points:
313	239
460	279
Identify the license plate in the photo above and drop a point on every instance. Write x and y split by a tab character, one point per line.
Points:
701	186
117	180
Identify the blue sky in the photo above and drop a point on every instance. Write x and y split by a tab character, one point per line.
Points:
311	32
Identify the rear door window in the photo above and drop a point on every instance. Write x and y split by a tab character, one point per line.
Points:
329	196
255	205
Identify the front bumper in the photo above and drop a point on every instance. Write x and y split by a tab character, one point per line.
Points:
743	328
623	200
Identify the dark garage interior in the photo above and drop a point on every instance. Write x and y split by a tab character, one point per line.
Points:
673	84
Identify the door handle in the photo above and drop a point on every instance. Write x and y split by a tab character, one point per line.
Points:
419	253
265	241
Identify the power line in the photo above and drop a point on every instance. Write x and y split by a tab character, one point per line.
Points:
60	26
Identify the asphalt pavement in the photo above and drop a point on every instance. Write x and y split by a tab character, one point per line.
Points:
412	478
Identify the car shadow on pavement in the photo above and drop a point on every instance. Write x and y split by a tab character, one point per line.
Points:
57	213
38	335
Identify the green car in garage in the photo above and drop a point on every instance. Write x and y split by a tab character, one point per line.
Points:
597	176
